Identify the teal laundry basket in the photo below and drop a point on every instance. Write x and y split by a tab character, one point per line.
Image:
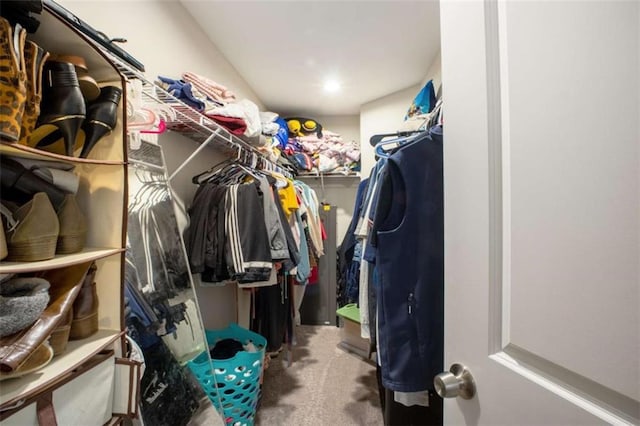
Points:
233	386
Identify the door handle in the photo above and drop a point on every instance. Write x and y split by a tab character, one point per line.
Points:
458	381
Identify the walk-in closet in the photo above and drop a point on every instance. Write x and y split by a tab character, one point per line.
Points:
245	213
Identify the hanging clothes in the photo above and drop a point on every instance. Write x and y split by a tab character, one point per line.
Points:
248	249
348	259
407	240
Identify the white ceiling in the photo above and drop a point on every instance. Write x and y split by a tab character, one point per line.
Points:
285	50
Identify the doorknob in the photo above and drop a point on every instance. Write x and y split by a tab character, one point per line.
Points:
458	381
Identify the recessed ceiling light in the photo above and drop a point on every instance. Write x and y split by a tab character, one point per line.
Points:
332	86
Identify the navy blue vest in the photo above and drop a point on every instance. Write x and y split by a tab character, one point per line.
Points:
408	234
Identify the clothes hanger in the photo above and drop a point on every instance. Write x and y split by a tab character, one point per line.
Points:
384	149
145	118
216	168
159	129
376	139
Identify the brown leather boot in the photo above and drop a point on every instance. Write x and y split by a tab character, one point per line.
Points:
65	286
34	59
13	91
40	357
60	336
85	308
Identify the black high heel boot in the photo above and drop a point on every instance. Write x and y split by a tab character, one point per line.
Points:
62	102
102	116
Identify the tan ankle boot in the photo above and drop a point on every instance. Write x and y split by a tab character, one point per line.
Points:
34	235
34	59
13	91
73	226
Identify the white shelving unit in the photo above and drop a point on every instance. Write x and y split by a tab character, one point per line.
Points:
191	123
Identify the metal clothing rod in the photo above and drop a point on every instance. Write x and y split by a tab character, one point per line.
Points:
192	156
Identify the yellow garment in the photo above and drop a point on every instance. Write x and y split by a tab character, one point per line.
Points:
288	199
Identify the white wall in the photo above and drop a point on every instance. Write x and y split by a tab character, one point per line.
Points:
163	36
348	126
386	114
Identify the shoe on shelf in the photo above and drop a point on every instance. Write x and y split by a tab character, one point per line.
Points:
88	86
22	301
13	90
73	226
3	243
34	58
62	107
85	308
20	184
102	116
32	230
65	284
38	359
101	119
59	174
60	335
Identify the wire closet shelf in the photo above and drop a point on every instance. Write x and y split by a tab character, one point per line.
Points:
189	122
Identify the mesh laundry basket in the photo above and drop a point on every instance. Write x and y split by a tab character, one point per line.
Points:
234	383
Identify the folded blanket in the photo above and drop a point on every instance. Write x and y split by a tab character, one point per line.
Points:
235	125
213	90
244	109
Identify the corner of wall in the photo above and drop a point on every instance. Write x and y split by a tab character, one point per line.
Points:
385	115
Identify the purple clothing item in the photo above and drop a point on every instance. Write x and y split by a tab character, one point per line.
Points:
183	91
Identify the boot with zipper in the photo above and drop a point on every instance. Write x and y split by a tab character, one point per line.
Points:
34	57
13	90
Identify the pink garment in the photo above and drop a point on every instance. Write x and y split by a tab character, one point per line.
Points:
213	90
235	125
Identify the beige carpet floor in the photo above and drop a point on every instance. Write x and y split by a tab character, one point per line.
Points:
325	385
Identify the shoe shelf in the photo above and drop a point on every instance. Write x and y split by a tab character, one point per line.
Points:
78	351
102	198
17	150
60	261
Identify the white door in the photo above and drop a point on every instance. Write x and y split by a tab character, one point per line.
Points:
542	210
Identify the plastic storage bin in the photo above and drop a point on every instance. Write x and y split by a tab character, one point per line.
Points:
234	383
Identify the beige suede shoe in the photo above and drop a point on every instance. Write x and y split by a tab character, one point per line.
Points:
34	233
73	226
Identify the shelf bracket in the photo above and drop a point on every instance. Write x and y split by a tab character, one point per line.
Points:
196	152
